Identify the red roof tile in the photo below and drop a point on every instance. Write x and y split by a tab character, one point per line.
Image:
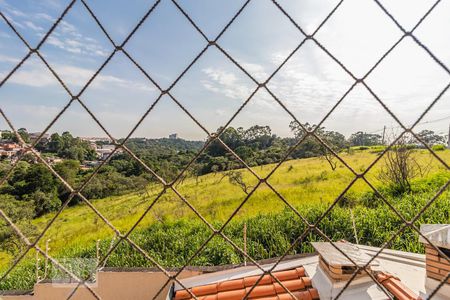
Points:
396	287
295	280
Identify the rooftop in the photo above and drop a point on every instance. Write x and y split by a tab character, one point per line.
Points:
295	280
399	272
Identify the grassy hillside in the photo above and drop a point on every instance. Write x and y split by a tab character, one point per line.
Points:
308	184
301	182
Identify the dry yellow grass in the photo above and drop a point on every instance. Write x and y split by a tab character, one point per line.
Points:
300	182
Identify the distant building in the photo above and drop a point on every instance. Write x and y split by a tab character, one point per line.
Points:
10	150
34	136
88	165
96	139
103	151
108	147
173	136
54	160
93	145
7	154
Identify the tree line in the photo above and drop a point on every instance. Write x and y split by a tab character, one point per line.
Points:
31	183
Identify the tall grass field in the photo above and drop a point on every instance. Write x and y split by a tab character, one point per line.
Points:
171	231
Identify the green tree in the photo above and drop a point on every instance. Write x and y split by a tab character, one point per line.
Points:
67	139
68	170
24	134
364	139
44	202
331	141
20	212
245	152
39	178
56	143
74	152
8	135
431	138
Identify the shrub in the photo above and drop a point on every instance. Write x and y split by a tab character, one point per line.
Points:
173	243
15	209
370	200
401	166
377	149
112	183
20	212
348	200
438	147
44	202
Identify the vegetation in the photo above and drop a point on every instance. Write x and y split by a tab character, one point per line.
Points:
402	166
365	139
171	233
68	147
216	185
33	183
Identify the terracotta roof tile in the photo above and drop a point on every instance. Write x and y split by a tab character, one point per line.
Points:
396	287
295	280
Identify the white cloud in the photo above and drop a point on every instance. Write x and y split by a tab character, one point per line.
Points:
220	112
33	26
39	111
34	74
33	78
4	35
16	12
309	86
65	26
225	83
76	43
66	37
6	58
73	43
103	81
13	21
257	71
11	10
222	77
44	16
55	4
55	42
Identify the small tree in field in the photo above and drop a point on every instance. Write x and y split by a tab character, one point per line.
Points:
401	166
334	140
236	178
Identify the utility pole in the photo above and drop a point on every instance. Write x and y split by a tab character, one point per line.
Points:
37	266
245	243
384	133
47	249
448	139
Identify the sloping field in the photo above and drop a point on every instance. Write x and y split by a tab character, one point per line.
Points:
300	182
304	184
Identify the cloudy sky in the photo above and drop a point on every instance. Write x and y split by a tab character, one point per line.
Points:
309	84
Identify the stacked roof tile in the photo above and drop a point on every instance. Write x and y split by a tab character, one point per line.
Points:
295	280
396	287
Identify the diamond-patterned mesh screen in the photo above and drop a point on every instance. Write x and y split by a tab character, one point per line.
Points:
260	85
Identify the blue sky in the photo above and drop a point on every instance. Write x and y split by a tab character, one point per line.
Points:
213	89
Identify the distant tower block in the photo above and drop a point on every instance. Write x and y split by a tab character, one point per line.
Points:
173	136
